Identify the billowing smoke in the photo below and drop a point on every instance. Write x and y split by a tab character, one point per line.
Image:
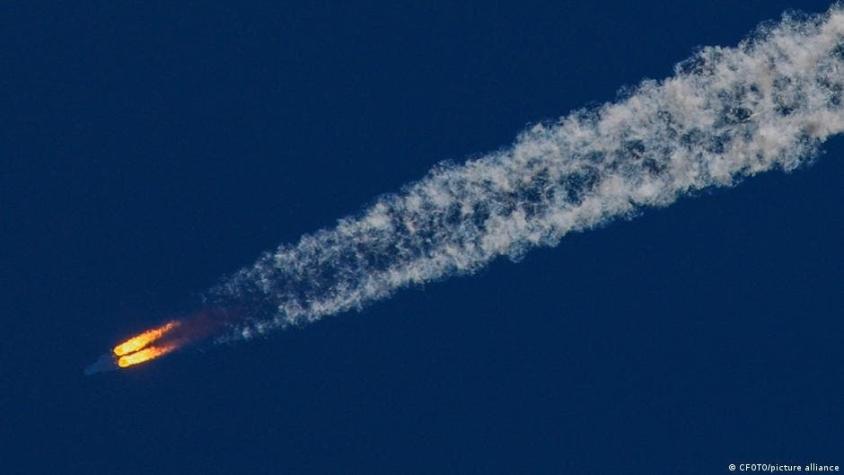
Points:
726	114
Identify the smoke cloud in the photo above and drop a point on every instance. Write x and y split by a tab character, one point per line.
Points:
725	114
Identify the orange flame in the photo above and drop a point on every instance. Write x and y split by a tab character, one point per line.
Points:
146	354
144	339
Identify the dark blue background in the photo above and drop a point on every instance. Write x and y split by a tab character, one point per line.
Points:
147	150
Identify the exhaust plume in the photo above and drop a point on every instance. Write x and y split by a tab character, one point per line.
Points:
725	114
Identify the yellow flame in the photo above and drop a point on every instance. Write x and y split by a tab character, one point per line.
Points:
140	341
148	353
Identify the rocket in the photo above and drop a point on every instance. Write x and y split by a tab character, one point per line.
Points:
137	349
106	362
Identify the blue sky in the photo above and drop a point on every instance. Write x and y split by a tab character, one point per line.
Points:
150	150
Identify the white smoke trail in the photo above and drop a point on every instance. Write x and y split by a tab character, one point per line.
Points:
727	113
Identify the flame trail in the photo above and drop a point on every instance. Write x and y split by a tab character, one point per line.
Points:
144	355
138	342
157	342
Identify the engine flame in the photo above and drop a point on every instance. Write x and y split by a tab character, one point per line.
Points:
144	339
144	355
